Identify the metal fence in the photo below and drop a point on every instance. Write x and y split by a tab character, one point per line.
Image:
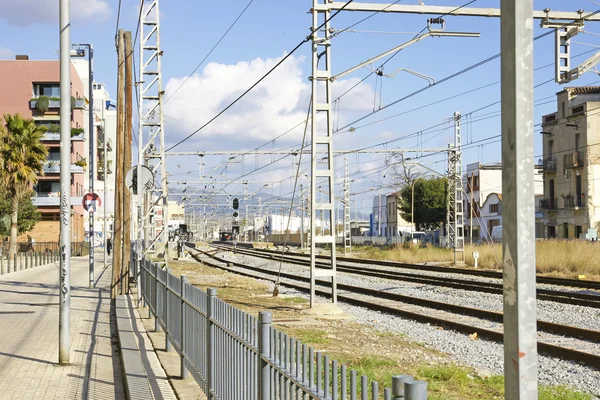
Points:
234	355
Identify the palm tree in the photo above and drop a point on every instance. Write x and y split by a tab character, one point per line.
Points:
22	157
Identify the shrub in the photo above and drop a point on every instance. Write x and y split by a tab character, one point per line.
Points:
42	103
76	131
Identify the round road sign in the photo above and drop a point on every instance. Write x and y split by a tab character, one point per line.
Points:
91	202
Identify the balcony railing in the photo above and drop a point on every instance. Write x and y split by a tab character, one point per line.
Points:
549	164
53	167
574	202
52	199
573	160
549	204
54	103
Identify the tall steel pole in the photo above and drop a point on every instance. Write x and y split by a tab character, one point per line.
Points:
518	240
64	327
91	163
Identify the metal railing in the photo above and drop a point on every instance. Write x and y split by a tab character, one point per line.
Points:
232	354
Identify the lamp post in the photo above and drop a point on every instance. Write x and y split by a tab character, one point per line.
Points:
90	54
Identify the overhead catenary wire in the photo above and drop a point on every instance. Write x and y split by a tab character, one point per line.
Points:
306	40
210	52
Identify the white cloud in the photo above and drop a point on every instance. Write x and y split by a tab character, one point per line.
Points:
6	54
27	12
279	103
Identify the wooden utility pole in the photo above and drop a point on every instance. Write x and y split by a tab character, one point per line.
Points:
118	220
126	209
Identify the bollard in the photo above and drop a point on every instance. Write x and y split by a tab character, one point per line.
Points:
387	394
398	385
210	351
415	390
184	370
264	352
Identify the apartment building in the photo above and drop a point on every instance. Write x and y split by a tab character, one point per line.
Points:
483	199
105	134
379	216
395	223
24	81
571	164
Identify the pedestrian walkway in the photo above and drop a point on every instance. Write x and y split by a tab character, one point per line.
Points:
29	316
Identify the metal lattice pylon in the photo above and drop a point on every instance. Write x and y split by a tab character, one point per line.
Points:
347	230
322	167
151	136
455	215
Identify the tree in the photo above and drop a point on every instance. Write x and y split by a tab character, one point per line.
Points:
22	157
28	216
429	203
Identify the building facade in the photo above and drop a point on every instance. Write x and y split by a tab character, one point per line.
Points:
24	82
396	225
379	216
571	164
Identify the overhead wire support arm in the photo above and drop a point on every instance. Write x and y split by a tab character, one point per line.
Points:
402	46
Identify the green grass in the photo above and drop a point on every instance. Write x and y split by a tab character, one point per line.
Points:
311	336
295	300
561	393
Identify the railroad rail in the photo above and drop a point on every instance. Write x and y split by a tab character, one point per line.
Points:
582	299
459	318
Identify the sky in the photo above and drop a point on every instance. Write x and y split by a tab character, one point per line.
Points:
268	31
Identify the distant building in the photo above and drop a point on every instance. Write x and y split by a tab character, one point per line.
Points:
379	216
571	164
395	223
483	200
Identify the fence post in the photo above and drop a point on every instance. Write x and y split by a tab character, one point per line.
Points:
184	370
16	267
210	352
415	390
264	353
157	284
168	346
26	261
398	382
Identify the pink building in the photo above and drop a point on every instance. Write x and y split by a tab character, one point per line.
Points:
23	82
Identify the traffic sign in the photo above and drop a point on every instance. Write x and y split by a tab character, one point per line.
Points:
146	182
91	202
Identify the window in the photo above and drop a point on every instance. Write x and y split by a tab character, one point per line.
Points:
46	89
45	187
493	208
54	154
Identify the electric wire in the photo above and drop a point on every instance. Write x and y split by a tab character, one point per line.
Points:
210	52
262	78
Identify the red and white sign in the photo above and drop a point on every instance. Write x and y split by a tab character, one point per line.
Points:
91	202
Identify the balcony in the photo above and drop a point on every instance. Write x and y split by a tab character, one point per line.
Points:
549	204
53	133
101	145
44	103
574	202
573	160
50	199
549	165
53	167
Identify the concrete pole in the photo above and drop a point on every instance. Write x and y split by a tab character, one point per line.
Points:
412	207
105	188
64	326
301	217
127	160
518	240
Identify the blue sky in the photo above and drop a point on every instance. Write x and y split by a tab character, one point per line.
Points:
264	33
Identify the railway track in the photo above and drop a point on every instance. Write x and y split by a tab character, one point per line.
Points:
583	345
582	299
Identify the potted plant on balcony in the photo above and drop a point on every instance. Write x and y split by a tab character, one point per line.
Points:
76	131
81	163
42	103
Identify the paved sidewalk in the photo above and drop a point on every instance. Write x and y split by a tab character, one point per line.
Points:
29	336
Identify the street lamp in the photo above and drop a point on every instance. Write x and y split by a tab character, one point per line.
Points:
79	52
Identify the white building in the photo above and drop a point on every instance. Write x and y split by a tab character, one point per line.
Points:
105	131
379	225
483	198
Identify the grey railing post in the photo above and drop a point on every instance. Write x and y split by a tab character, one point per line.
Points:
184	370
157	283
264	353
2	263
398	385
210	353
15	267
167	341
26	261
415	390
